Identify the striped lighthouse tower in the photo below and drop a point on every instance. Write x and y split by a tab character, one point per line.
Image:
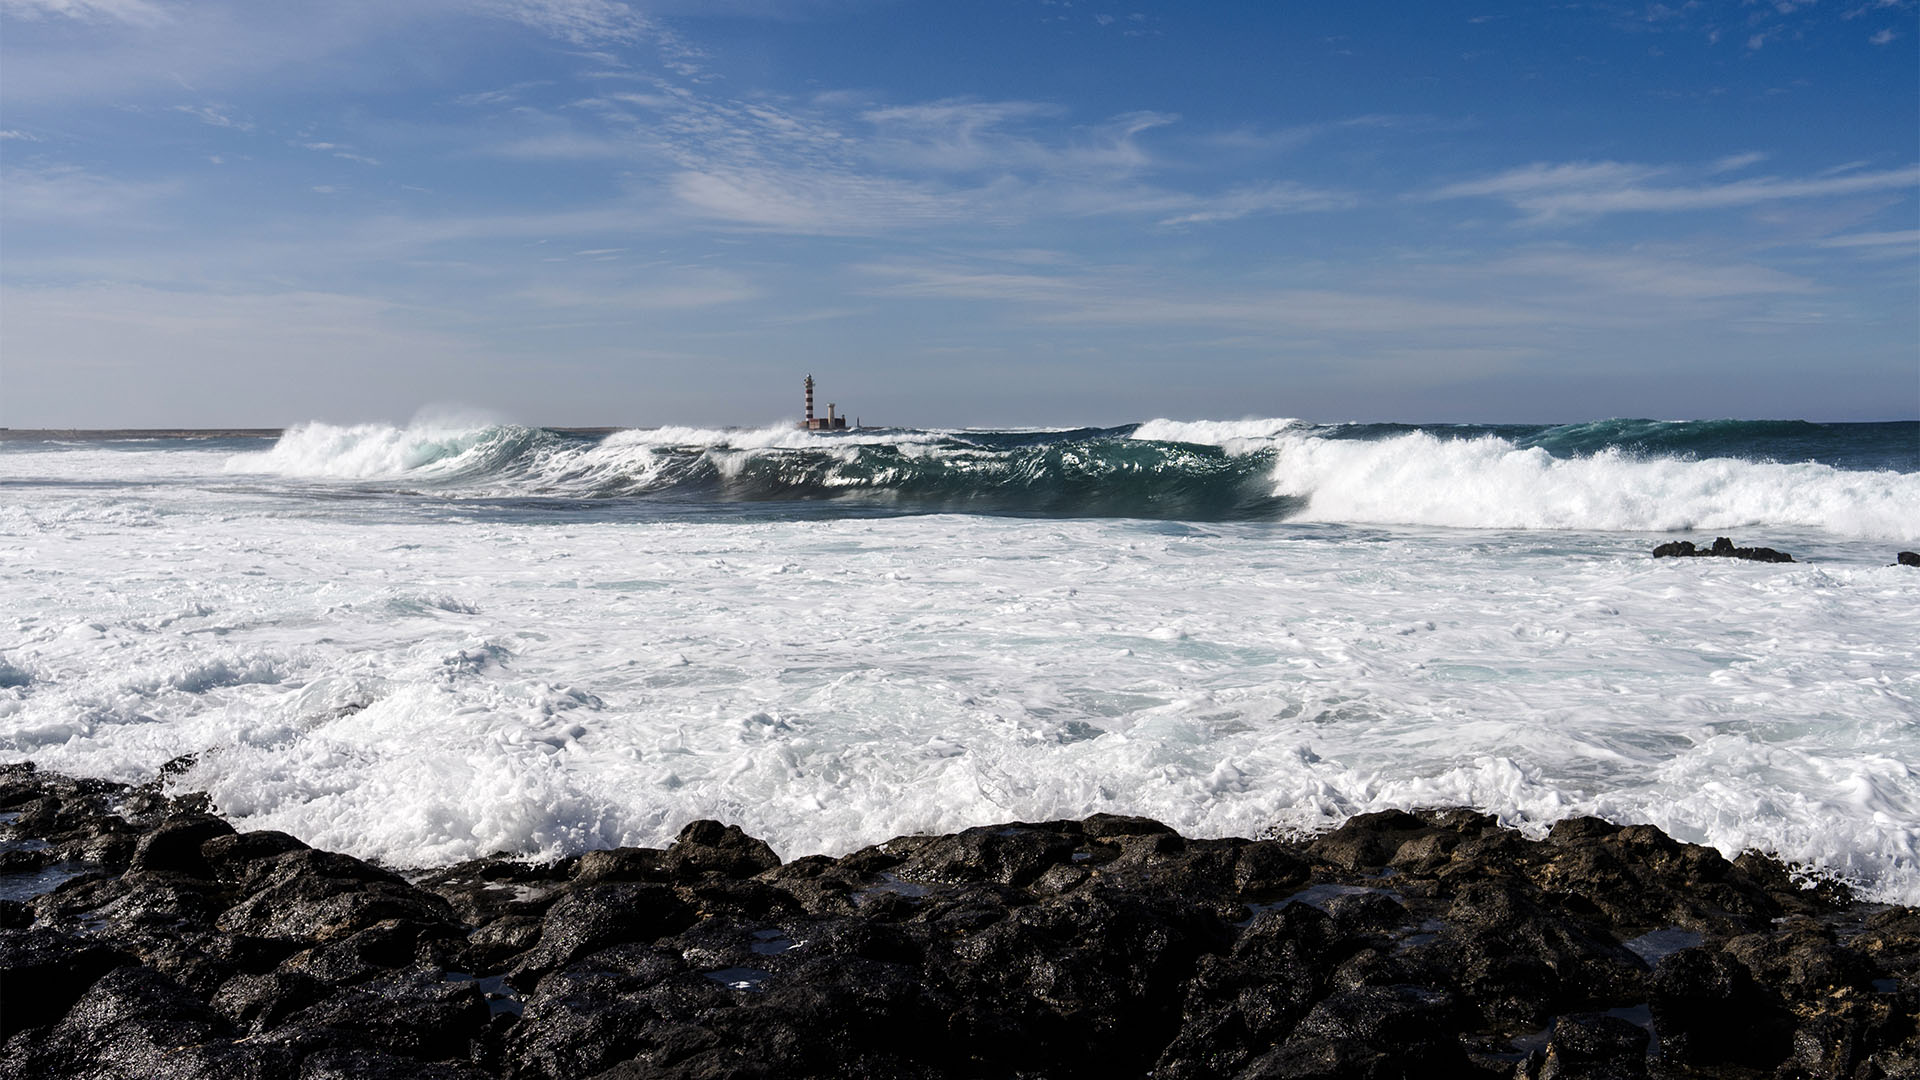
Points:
828	422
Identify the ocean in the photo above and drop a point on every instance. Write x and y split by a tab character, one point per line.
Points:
421	644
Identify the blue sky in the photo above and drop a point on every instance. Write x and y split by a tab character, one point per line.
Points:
1015	212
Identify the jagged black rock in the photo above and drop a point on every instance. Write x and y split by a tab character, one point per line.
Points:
1722	548
146	938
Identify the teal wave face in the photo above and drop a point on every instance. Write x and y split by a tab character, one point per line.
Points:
1853	479
1102	476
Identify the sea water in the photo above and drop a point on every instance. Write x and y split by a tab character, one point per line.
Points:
421	644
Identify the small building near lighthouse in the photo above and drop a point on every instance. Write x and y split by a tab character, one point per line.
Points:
829	422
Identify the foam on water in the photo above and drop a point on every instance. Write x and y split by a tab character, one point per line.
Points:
433	449
1488	482
427	686
381	451
1236	436
1422	478
1262	469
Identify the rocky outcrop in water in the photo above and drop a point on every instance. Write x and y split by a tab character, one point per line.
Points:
141	936
1722	548
1907	558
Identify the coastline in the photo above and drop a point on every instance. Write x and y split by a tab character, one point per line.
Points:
156	939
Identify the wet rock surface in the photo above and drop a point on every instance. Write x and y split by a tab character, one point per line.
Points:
141	936
1722	547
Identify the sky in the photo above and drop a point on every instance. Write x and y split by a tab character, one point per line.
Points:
1001	212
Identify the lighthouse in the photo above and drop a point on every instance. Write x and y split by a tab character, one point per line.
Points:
829	422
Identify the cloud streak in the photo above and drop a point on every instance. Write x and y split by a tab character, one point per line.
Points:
1662	277
133	12
1531	295
69	195
582	22
1579	191
1902	238
214	116
834	165
1279	197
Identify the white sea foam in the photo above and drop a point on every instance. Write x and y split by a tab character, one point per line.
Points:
1236	436
509	460
371	451
425	688
1488	483
1415	478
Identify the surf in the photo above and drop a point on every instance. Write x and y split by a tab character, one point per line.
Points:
1854	481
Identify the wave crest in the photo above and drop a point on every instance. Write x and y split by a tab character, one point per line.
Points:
1605	476
382	451
1489	482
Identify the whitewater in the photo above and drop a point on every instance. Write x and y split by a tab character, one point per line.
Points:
424	643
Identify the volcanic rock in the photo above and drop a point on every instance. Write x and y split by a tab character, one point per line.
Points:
1723	548
152	940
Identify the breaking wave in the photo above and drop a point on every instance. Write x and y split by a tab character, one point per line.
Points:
1856	480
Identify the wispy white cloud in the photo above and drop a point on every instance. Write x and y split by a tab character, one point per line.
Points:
1529	180
1736	162
135	12
606	24
958	136
215	115
834	164
21	135
69	194
811	202
1908	238
583	22
1282	140
1548	193
130	47
826	163
336	150
1278	197
1759	24
1661	276
646	101
994	137
1883	37
962	116
505	95
1843	167
1872	6
145	51
967	280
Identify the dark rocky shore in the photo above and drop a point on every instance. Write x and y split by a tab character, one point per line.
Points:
1722	548
145	938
